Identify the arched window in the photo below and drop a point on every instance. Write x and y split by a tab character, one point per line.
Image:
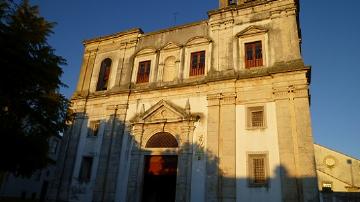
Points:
104	75
162	140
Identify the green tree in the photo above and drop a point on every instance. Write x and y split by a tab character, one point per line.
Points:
31	107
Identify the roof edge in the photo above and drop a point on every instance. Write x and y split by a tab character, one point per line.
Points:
111	36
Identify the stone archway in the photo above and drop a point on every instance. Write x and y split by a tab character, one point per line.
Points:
160	171
163	134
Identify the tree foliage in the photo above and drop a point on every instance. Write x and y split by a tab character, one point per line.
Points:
31	107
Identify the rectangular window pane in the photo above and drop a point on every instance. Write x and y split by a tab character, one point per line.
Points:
197	66
257	169
253	54
255	117
143	72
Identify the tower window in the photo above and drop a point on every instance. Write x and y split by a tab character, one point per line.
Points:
257	169
253	54
143	72
232	2
197	63
85	169
104	75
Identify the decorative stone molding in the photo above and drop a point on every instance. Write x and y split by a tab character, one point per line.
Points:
330	161
171	46
163	112
213	99
228	99
290	92
251	31
222	24
164	117
197	41
221	99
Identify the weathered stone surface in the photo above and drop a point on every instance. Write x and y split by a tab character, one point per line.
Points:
207	114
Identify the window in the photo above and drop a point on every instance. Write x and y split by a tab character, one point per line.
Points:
327	186
53	146
257	170
197	63
232	2
85	169
94	129
255	117
143	72
104	75
253	54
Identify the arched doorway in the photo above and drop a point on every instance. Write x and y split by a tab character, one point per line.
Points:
160	171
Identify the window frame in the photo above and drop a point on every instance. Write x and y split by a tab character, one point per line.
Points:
249	117
145	76
86	177
251	172
255	61
250	34
197	69
104	75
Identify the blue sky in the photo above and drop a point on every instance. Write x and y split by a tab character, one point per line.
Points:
330	42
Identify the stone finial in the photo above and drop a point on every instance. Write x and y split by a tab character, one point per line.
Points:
187	107
142	111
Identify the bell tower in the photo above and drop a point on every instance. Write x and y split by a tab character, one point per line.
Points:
226	3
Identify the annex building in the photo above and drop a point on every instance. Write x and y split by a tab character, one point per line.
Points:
216	110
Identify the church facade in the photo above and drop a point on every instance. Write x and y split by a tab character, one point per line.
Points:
216	110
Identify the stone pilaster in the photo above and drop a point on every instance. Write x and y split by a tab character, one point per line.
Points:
298	177
60	187
212	170
227	148
109	159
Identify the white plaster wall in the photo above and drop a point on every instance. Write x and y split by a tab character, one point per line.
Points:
84	149
123	176
198	171
257	140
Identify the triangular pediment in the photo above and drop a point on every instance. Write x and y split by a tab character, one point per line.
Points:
171	46
146	51
199	40
162	112
252	30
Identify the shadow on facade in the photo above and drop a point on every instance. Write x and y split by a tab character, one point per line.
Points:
126	167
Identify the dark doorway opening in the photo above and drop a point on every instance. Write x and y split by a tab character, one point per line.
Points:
159	178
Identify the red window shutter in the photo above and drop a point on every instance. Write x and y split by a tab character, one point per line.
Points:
197	66
143	72
253	54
